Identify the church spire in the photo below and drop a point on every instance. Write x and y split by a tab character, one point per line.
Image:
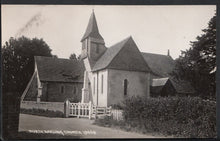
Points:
92	28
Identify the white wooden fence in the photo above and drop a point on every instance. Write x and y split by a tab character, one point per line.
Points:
85	110
117	114
80	109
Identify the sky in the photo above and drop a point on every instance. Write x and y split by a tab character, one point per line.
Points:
155	29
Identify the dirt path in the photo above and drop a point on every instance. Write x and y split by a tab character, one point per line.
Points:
74	127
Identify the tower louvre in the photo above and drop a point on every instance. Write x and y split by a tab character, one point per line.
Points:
93	44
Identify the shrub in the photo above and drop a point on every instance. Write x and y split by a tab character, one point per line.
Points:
117	106
180	116
108	121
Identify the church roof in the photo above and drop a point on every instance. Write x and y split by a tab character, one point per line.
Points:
59	70
182	86
123	55
161	65
92	29
159	82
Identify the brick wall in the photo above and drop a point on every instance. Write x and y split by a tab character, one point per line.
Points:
52	92
52	106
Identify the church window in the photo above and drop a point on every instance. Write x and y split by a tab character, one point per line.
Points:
125	86
62	89
97	48
87	45
93	85
102	84
74	90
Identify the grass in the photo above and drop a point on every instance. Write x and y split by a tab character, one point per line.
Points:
42	112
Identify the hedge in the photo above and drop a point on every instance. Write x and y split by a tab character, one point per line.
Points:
42	112
179	116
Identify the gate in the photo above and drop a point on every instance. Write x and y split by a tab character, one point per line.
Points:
85	110
96	111
80	109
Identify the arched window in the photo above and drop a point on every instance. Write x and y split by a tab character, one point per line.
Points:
102	84
93	85
62	89
125	86
87	45
97	48
74	89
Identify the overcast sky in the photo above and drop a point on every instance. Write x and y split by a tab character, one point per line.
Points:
155	29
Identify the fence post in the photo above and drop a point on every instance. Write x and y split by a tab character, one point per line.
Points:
79	106
95	111
90	109
110	110
66	108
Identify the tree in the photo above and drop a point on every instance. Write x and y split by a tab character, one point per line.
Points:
198	64
18	61
73	56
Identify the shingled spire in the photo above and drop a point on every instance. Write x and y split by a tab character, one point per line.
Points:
93	45
92	29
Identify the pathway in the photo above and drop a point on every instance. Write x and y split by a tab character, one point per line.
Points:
79	127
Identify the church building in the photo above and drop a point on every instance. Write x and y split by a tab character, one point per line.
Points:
114	73
104	75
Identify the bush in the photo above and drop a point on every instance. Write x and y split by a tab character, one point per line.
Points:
108	121
42	112
117	106
180	116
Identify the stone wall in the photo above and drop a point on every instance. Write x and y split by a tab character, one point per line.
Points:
137	84
52	106
52	92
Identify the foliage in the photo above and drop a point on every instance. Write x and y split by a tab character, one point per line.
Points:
172	116
179	116
117	106
198	64
108	121
74	57
42	112
18	61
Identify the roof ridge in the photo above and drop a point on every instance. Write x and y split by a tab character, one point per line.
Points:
154	54
161	78
50	57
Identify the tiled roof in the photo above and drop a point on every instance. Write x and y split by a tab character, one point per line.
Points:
92	29
59	70
159	82
161	65
182	86
124	56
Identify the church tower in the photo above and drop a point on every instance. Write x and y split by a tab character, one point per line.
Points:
93	45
